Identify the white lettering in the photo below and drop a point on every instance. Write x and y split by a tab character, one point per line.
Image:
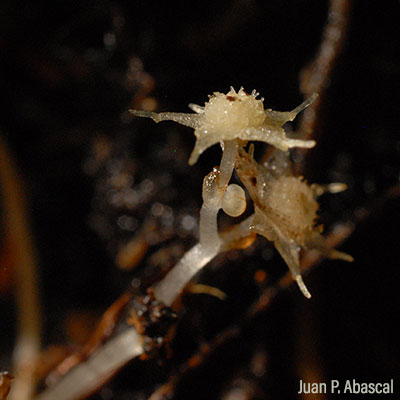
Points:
348	387
301	387
351	386
334	385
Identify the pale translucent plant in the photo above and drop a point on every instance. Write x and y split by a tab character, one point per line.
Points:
235	115
215	186
285	209
285	206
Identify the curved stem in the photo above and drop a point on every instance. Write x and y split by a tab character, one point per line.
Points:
214	187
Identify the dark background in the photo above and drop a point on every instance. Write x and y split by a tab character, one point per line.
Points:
69	72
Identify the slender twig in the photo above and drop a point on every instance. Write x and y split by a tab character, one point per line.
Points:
103	331
315	77
18	234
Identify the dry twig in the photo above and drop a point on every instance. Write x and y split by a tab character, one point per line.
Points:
315	77
18	234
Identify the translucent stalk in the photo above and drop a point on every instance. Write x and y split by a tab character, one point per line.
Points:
88	376
214	186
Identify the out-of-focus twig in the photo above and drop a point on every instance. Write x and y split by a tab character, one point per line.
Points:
18	234
103	331
315	77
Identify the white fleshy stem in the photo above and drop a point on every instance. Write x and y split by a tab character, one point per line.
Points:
192	262
87	376
214	187
230	148
105	362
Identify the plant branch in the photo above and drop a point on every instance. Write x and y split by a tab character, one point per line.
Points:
18	234
315	77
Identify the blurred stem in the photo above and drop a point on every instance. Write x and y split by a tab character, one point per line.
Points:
17	232
315	77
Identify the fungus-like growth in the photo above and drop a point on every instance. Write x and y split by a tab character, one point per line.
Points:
285	210
285	206
235	115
